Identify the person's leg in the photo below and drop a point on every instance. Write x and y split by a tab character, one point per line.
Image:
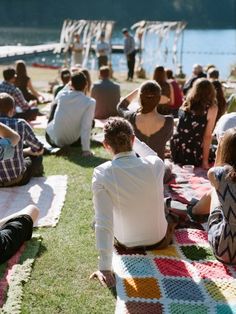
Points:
202	207
30	210
132	64
129	63
16	229
49	140
28	115
36	166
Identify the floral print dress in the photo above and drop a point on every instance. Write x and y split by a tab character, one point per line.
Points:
186	143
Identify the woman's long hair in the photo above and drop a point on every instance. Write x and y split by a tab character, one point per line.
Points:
200	97
149	96
21	69
228	152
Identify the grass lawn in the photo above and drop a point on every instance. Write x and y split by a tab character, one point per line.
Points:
60	278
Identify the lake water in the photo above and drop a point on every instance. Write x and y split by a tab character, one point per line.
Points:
216	47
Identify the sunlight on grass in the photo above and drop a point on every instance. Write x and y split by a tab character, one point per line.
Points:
60	278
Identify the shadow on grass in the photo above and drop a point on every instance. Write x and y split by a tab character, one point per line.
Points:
113	292
42	250
73	154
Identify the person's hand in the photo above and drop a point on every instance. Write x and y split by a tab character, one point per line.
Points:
28	152
33	103
41	99
105	277
87	153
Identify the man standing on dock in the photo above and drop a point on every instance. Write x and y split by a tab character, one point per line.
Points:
129	50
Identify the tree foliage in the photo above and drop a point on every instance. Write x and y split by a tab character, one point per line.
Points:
50	13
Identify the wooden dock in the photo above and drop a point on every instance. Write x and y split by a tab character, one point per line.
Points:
8	53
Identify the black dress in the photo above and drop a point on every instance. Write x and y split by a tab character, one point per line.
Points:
187	143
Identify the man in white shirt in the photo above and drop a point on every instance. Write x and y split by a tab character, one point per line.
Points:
73	116
227	121
128	198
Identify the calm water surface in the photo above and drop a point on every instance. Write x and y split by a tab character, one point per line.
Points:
199	46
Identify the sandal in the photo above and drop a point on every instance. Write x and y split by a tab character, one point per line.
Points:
195	217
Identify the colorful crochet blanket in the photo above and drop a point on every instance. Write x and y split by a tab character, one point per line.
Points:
183	278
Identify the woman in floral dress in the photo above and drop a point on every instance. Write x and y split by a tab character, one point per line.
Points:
191	142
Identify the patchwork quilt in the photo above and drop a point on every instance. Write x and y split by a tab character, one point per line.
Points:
183	278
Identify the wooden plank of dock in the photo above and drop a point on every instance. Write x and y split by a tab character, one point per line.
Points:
12	52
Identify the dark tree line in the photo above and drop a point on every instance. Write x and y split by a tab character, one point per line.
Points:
51	13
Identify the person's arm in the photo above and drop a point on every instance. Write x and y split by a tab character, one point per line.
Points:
172	95
20	100
212	178
207	137
104	230
6	132
86	125
35	147
8	140
122	107
32	89
142	149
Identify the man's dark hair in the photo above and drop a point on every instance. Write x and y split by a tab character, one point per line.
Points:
7	103
213	73
8	74
104	71
79	81
65	76
124	30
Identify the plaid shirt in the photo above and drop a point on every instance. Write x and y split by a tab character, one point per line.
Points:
11	169
16	93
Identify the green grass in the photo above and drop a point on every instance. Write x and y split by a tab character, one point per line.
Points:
60	279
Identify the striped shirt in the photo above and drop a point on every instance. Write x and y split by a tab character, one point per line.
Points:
11	169
15	92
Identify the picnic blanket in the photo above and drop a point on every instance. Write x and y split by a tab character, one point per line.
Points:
47	193
40	122
183	278
186	186
14	273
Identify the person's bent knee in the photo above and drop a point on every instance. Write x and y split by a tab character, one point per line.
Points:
32	211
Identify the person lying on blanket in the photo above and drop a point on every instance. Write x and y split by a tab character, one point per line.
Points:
17	228
220	204
128	198
26	162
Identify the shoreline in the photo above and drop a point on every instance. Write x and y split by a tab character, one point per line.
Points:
42	76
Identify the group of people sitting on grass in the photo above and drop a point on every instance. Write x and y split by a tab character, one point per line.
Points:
128	191
18	84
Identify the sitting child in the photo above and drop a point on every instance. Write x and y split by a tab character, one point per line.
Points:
15	229
26	162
